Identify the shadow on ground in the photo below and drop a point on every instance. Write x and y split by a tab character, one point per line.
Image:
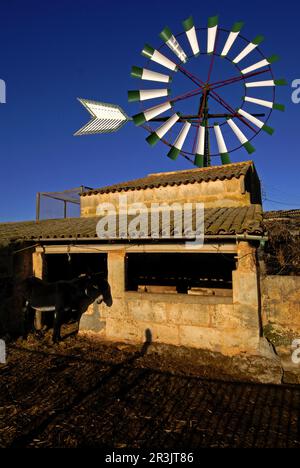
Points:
83	393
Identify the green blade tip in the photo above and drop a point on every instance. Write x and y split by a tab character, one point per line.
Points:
268	130
166	34
279	107
250	149
152	139
213	21
238	26
258	40
173	153
133	96
188	23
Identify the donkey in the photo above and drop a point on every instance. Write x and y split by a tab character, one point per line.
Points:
64	297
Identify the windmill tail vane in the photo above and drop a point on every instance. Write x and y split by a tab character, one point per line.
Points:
106	118
212	126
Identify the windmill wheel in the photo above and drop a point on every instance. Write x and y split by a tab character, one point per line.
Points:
212	102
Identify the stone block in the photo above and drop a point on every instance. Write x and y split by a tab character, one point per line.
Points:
197	314
196	337
245	288
225	316
147	311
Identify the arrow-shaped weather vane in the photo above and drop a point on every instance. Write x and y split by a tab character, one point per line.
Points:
106	118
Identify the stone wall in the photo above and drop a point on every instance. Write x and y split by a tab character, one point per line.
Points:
281	310
229	325
219	193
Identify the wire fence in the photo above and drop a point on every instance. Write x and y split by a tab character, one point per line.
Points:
55	205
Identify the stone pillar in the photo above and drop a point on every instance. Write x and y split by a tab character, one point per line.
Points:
246	297
116	273
38	266
108	322
116	316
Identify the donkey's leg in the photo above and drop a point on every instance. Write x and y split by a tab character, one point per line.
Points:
57	324
26	318
38	321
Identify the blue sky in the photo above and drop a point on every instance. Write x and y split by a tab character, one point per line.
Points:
52	52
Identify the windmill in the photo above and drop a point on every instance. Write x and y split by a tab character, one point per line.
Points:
209	126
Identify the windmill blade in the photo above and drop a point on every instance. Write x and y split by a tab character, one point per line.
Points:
261	64
170	40
256	122
191	34
248	49
179	142
149	75
263	103
142	117
261	84
233	35
157	57
200	146
212	33
146	94
241	137
154	137
106	118
222	145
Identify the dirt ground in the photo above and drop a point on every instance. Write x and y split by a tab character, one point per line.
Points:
83	393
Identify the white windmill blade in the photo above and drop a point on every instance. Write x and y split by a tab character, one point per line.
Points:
221	145
154	137
248	49
233	35
263	63
146	94
157	57
106	118
263	103
256	122
179	142
200	146
149	75
212	33
267	83
149	114
170	40
200	140
191	34
241	136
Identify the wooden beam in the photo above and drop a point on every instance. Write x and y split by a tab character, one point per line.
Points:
229	248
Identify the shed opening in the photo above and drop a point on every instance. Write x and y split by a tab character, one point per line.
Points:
183	273
70	266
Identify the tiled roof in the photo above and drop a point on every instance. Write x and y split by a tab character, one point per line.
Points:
192	176
290	214
289	220
218	221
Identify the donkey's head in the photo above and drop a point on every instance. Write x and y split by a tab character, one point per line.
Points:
99	286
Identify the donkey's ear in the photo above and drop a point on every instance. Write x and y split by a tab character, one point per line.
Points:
101	275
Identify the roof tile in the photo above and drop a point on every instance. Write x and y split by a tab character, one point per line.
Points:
192	176
218	221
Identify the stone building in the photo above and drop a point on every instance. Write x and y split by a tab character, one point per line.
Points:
167	290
